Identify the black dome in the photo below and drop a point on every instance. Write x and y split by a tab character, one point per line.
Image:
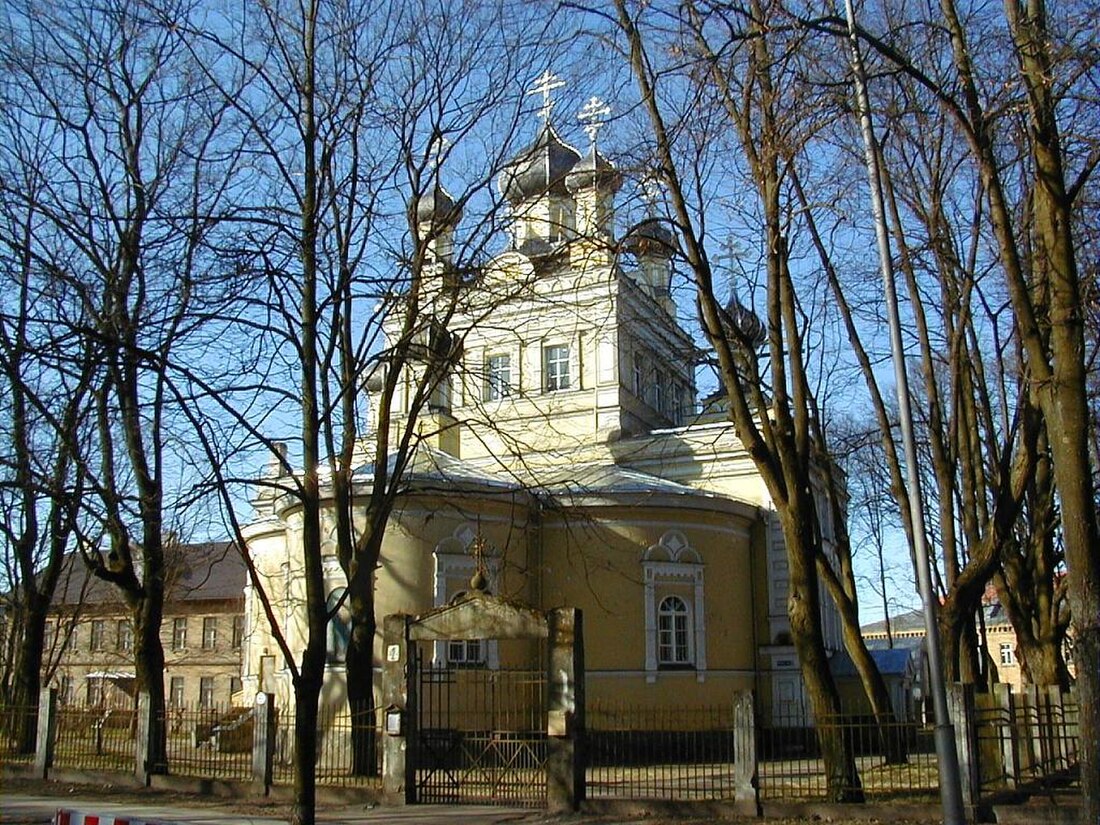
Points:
593	170
439	207
745	321
652	237
538	169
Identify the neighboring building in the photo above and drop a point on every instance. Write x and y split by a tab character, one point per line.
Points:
907	632
569	451
90	637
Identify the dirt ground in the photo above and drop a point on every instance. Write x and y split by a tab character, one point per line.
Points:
280	809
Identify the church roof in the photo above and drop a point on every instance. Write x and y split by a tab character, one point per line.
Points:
540	168
438	206
611	478
431	465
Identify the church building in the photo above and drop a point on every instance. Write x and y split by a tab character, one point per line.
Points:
569	455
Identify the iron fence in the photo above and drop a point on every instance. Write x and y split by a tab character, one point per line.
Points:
208	742
349	748
18	732
642	752
892	760
1030	740
95	737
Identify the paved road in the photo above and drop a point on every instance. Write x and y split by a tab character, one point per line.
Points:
33	810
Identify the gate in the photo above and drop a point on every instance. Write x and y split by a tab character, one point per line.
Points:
481	735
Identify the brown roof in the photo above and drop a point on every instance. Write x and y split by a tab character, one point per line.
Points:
196	572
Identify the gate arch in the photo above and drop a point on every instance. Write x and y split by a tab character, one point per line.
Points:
443	740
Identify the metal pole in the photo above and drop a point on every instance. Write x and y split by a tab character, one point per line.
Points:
948	757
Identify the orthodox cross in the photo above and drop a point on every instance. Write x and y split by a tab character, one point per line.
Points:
652	189
436	150
593	117
544	85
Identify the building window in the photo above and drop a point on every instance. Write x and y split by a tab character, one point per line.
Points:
175	692
235	685
498	377
659	393
99	631
639	377
238	632
339	627
95	692
675	630
124	640
179	633
209	633
65	691
466	653
673	637
1008	655
206	692
556	362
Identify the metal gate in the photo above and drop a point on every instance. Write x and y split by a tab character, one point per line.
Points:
481	735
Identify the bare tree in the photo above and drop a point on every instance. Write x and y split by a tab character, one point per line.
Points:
126	140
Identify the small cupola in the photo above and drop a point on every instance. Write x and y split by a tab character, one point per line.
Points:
594	180
533	183
654	245
437	215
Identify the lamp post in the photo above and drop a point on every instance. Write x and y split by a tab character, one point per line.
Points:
948	757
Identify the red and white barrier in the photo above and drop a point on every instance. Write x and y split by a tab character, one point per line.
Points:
63	817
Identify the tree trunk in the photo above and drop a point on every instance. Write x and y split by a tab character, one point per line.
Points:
360	681
307	694
27	679
804	611
149	670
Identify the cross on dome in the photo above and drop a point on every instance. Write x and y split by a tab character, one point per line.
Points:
593	116
546	83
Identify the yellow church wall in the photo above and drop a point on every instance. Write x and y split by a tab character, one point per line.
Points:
594	560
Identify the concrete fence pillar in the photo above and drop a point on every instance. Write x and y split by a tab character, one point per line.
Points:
143	725
263	742
745	787
565	760
47	732
960	702
1010	750
399	712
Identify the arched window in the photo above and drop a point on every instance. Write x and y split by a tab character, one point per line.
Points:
673	633
339	627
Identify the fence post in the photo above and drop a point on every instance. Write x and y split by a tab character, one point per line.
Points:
565	757
263	742
960	699
142	769
1010	759
745	789
47	732
1057	716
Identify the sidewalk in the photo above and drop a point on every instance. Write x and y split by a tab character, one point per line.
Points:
28	809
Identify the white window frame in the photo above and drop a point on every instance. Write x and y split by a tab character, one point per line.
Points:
179	633
1008	655
124	636
209	633
674	622
555	359
667	567
498	376
98	636
207	692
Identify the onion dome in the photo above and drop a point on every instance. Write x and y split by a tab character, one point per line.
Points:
746	322
593	170
438	207
651	237
538	169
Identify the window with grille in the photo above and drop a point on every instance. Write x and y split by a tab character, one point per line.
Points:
556	361
179	634
175	692
498	377
673	633
206	691
98	634
238	632
125	636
